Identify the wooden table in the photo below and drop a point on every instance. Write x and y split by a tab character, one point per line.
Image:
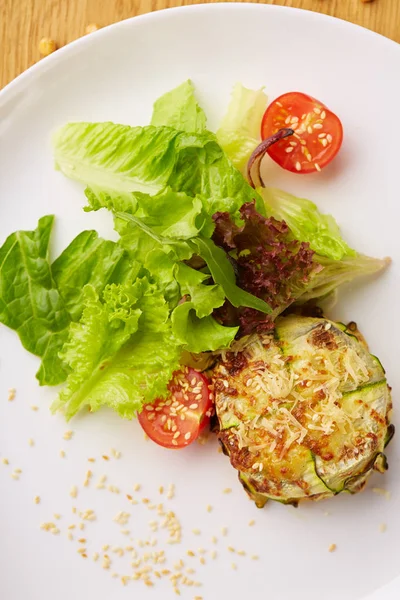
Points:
24	22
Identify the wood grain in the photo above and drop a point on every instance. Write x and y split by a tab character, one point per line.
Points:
24	22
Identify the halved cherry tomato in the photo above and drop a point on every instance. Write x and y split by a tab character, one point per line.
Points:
177	421
318	132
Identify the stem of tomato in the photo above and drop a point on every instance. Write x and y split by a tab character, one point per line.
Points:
254	164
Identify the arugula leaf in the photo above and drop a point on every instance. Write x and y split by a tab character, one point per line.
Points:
29	300
115	161
239	132
179	109
122	353
223	274
307	223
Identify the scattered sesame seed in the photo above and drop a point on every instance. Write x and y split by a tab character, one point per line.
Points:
57	516
227	490
74	491
332	548
382	527
214	539
231	549
209	508
202	560
213	554
11	394
36	499
15	476
136	487
381	492
251	523
105	457
255	557
234	566
224	530
31	442
34	407
62	453
196	531
241	553
68	435
161	489
5	461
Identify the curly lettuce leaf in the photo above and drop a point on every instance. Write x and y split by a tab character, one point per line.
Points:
30	302
90	259
115	161
239	132
179	109
122	353
270	264
307	223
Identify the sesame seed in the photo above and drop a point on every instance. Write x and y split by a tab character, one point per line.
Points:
136	487
382	527
34	408
74	491
95	556
5	461
70	536
92	460
251	523
209	508
36	499
234	566
105	457
57	516
71	526
227	490
11	394
231	549
255	557
213	554
298	166
14	476
62	453
214	539
68	435
224	530
332	548
196	531
31	442
202	560
241	553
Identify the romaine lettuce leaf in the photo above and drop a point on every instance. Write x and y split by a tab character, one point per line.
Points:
115	161
30	302
307	223
122	353
239	132
179	109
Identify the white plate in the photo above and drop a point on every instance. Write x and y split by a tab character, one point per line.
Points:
116	74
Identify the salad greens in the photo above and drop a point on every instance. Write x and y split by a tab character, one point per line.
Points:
201	257
239	132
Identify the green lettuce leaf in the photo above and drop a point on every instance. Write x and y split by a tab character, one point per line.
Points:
200	334
179	109
30	302
115	161
239	132
122	353
90	259
307	223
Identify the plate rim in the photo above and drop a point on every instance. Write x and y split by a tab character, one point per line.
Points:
49	62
